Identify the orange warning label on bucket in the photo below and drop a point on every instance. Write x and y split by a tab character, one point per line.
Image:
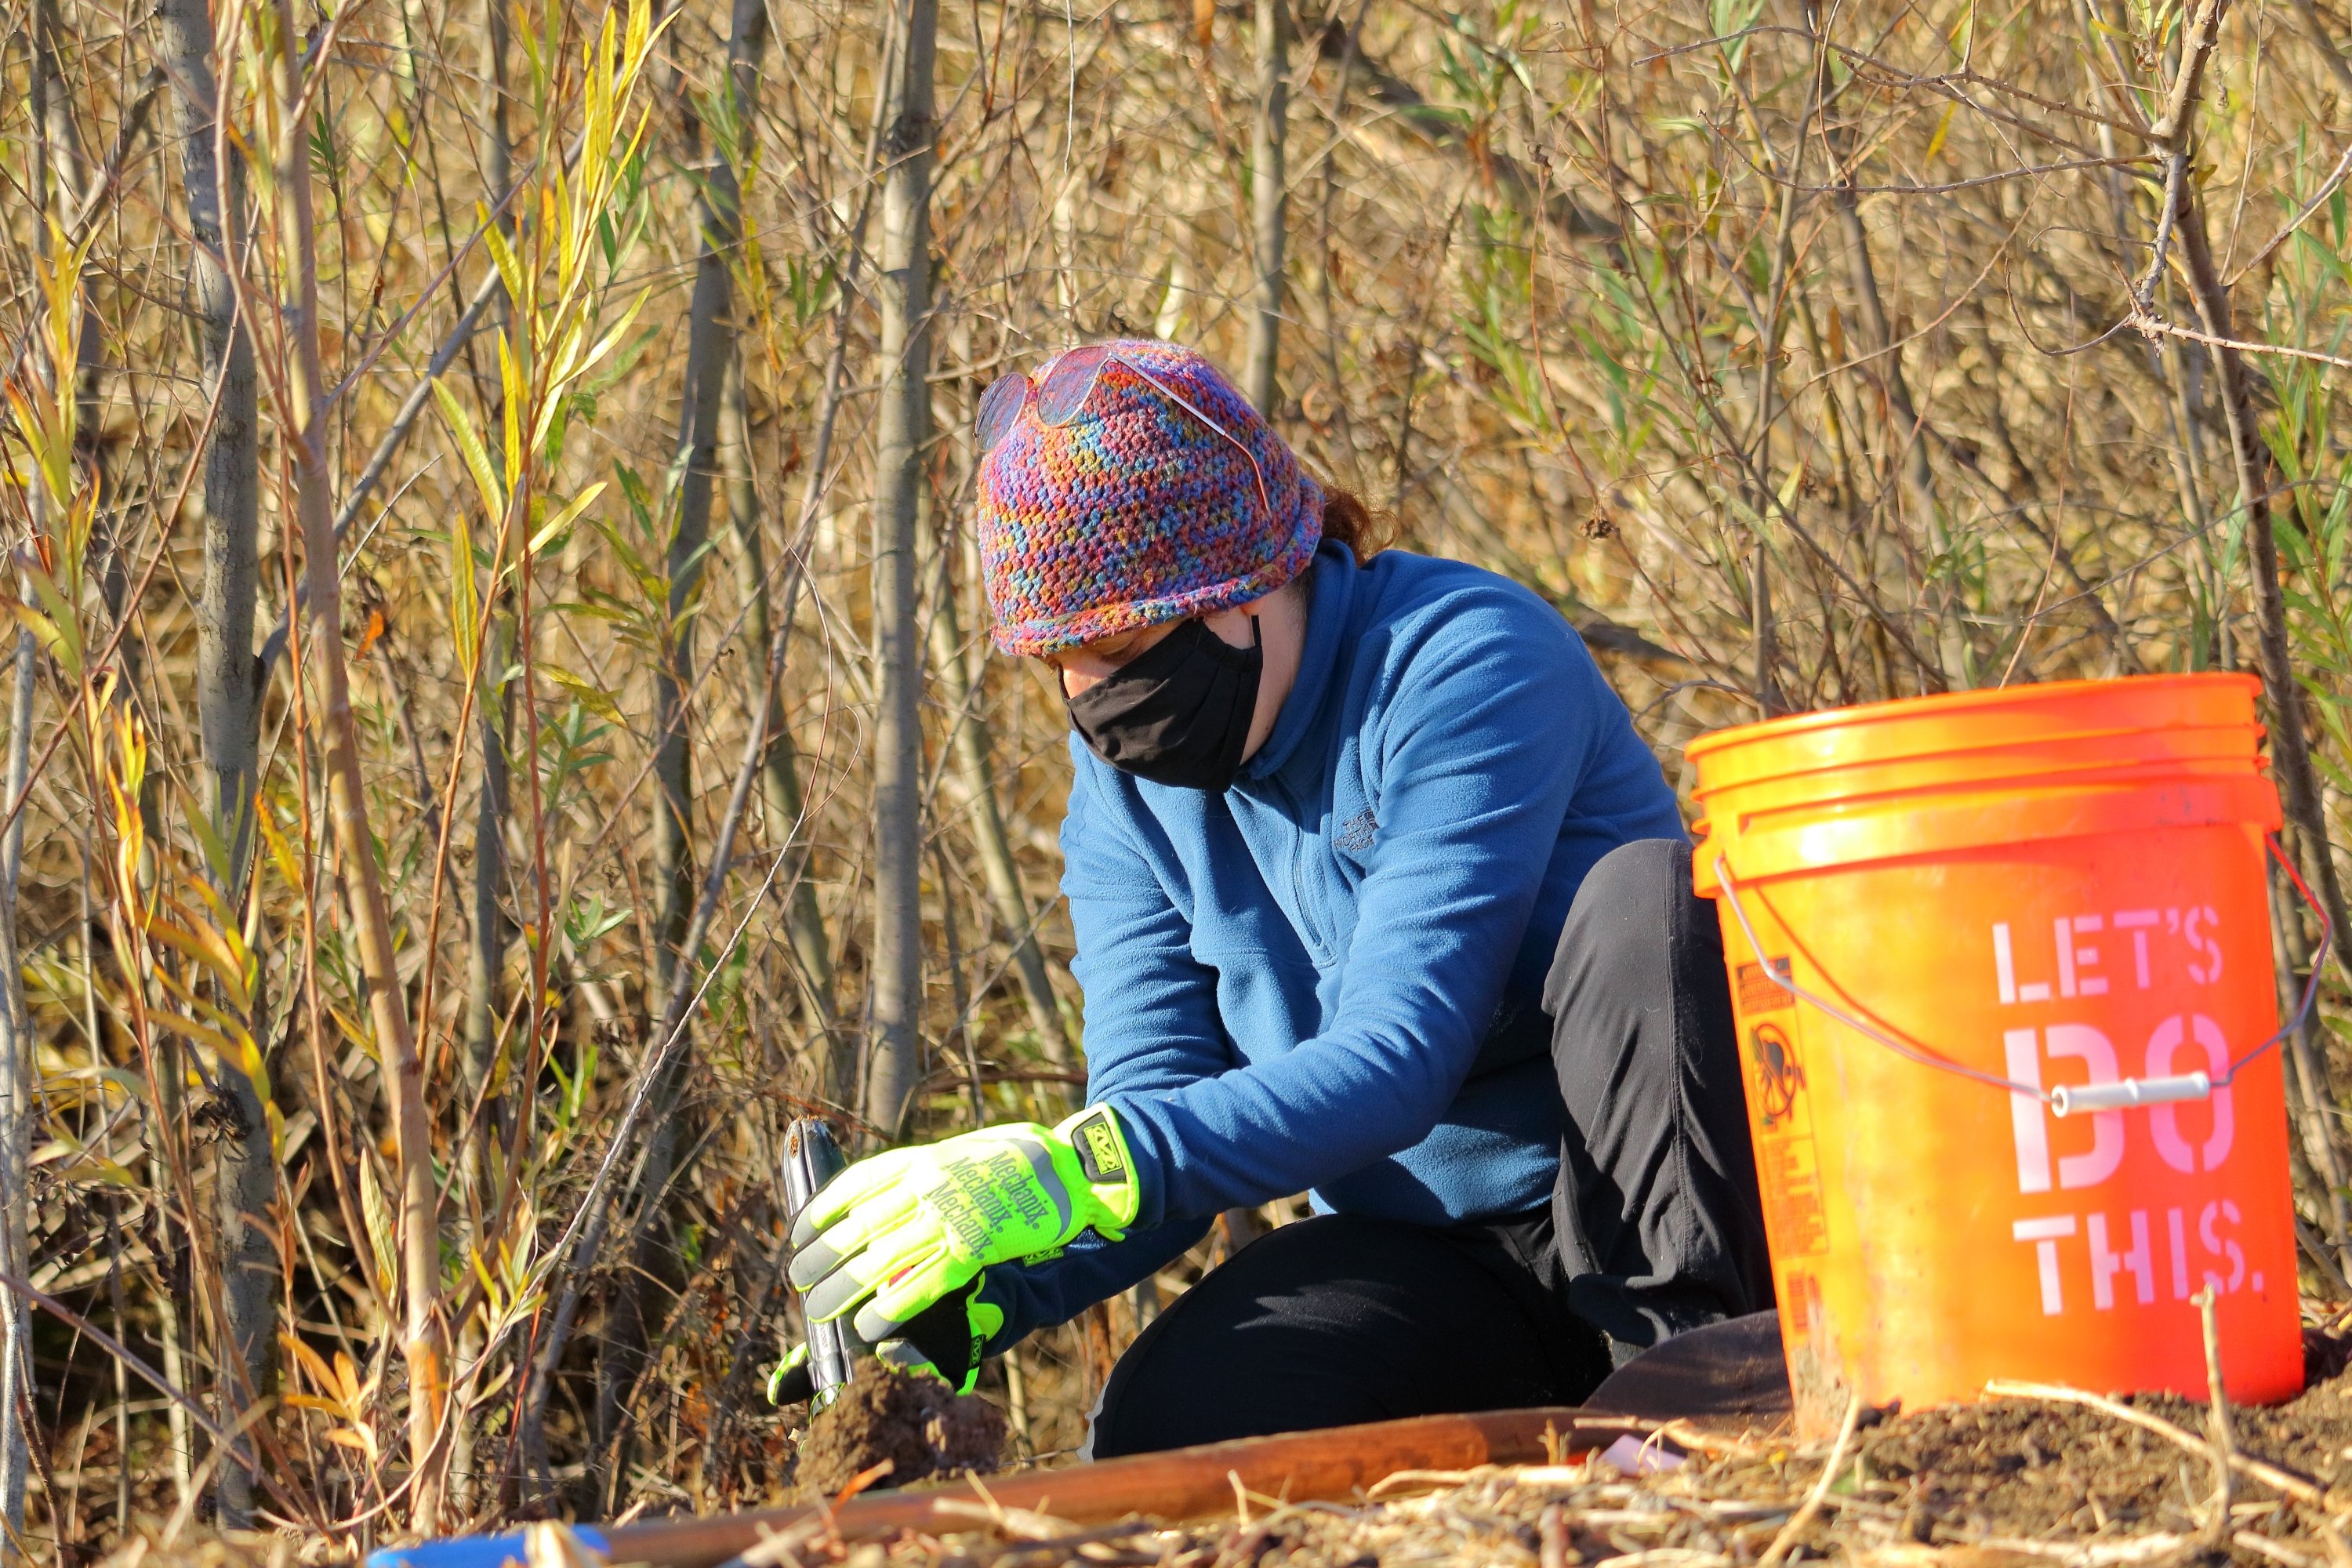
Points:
1760	990
1779	1076
1790	1174
1787	1166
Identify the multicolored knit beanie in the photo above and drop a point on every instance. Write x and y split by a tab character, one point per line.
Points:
1135	512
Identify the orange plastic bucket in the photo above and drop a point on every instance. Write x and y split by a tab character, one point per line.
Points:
2006	898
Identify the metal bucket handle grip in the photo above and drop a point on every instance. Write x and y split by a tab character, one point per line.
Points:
2066	1100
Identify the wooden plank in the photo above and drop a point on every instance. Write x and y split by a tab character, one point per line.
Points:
1182	1484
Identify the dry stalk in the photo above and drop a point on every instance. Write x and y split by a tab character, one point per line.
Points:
1551	1534
2277	1551
1810	1509
302	387
2224	1450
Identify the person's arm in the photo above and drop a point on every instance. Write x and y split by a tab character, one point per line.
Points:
1475	760
1151	1024
1152	1028
1034	1296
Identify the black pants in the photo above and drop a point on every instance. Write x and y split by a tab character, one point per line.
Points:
1653	1227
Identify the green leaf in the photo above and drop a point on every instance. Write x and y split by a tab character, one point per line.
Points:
470	447
593	697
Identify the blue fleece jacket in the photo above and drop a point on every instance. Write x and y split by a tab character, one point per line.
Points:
1328	979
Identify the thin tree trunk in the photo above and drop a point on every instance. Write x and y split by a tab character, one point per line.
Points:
780	779
303	425
1904	426
488	929
841	1061
696	464
17	1068
710	346
977	773
1768	388
594	1211
2290	744
2310	1102
1268	204
485	960
904	428
16	1100
228	705
486	953
71	178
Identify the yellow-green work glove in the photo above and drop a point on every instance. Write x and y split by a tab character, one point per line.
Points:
904	1228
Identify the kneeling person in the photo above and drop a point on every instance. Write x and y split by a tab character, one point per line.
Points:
1378	896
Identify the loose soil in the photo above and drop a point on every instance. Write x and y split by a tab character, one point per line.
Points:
911	1419
2031	1468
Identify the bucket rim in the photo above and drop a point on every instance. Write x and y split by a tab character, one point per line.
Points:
1941	704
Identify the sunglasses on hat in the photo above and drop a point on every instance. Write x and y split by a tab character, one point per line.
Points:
1062	393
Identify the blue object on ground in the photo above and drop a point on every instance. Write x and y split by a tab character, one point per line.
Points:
473	1551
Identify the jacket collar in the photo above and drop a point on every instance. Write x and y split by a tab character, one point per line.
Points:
1334	586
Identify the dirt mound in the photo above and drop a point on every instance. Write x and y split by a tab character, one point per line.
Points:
2018	1468
2034	1469
911	1419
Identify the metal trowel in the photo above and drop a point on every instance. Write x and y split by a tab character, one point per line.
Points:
1730	1371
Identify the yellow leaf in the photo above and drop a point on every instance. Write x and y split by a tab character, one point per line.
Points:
1790	486
353	1032
1943	128
44	631
222	965
641	15
503	256
565	516
86	1166
470	447
378	1217
465	595
593	698
181	1023
281	853
354	1438
313	1365
511	409
605	344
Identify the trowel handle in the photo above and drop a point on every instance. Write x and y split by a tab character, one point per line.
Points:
810	1160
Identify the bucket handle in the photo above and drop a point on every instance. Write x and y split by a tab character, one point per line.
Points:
2064	1099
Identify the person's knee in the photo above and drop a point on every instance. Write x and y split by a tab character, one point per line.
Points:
1325	1323
1217	1361
1642	874
1621	926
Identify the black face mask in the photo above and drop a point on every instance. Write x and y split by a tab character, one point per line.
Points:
1177	713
